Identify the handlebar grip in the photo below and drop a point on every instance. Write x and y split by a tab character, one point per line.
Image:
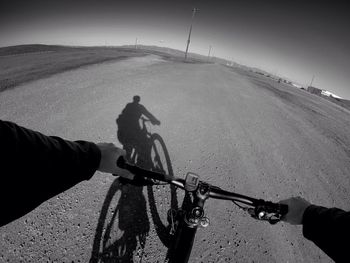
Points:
140	172
278	208
271	212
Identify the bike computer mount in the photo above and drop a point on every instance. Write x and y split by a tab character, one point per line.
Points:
195	217
191	182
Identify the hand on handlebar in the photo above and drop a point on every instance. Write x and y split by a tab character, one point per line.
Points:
109	154
296	209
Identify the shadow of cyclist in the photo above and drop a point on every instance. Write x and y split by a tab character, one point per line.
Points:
129	217
130	133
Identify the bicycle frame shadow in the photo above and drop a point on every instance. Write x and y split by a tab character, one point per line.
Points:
120	234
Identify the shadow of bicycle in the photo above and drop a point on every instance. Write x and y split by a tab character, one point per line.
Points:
123	226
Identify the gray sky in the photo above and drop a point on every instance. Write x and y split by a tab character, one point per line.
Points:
295	39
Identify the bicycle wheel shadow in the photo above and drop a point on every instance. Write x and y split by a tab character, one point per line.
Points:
123	228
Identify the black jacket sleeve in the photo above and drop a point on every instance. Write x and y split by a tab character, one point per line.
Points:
35	167
329	229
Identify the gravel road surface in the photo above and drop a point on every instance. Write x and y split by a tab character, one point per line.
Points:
238	130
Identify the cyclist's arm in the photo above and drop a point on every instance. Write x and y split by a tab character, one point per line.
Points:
149	115
35	167
329	229
47	153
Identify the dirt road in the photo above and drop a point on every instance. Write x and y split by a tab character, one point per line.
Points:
243	132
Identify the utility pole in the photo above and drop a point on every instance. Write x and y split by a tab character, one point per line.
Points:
194	10
209	53
136	43
313	76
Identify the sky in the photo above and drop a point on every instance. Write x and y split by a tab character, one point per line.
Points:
293	39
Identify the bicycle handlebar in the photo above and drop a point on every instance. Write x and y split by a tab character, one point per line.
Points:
145	119
260	209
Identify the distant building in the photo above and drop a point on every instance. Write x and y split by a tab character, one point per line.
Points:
296	85
322	93
329	94
314	90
